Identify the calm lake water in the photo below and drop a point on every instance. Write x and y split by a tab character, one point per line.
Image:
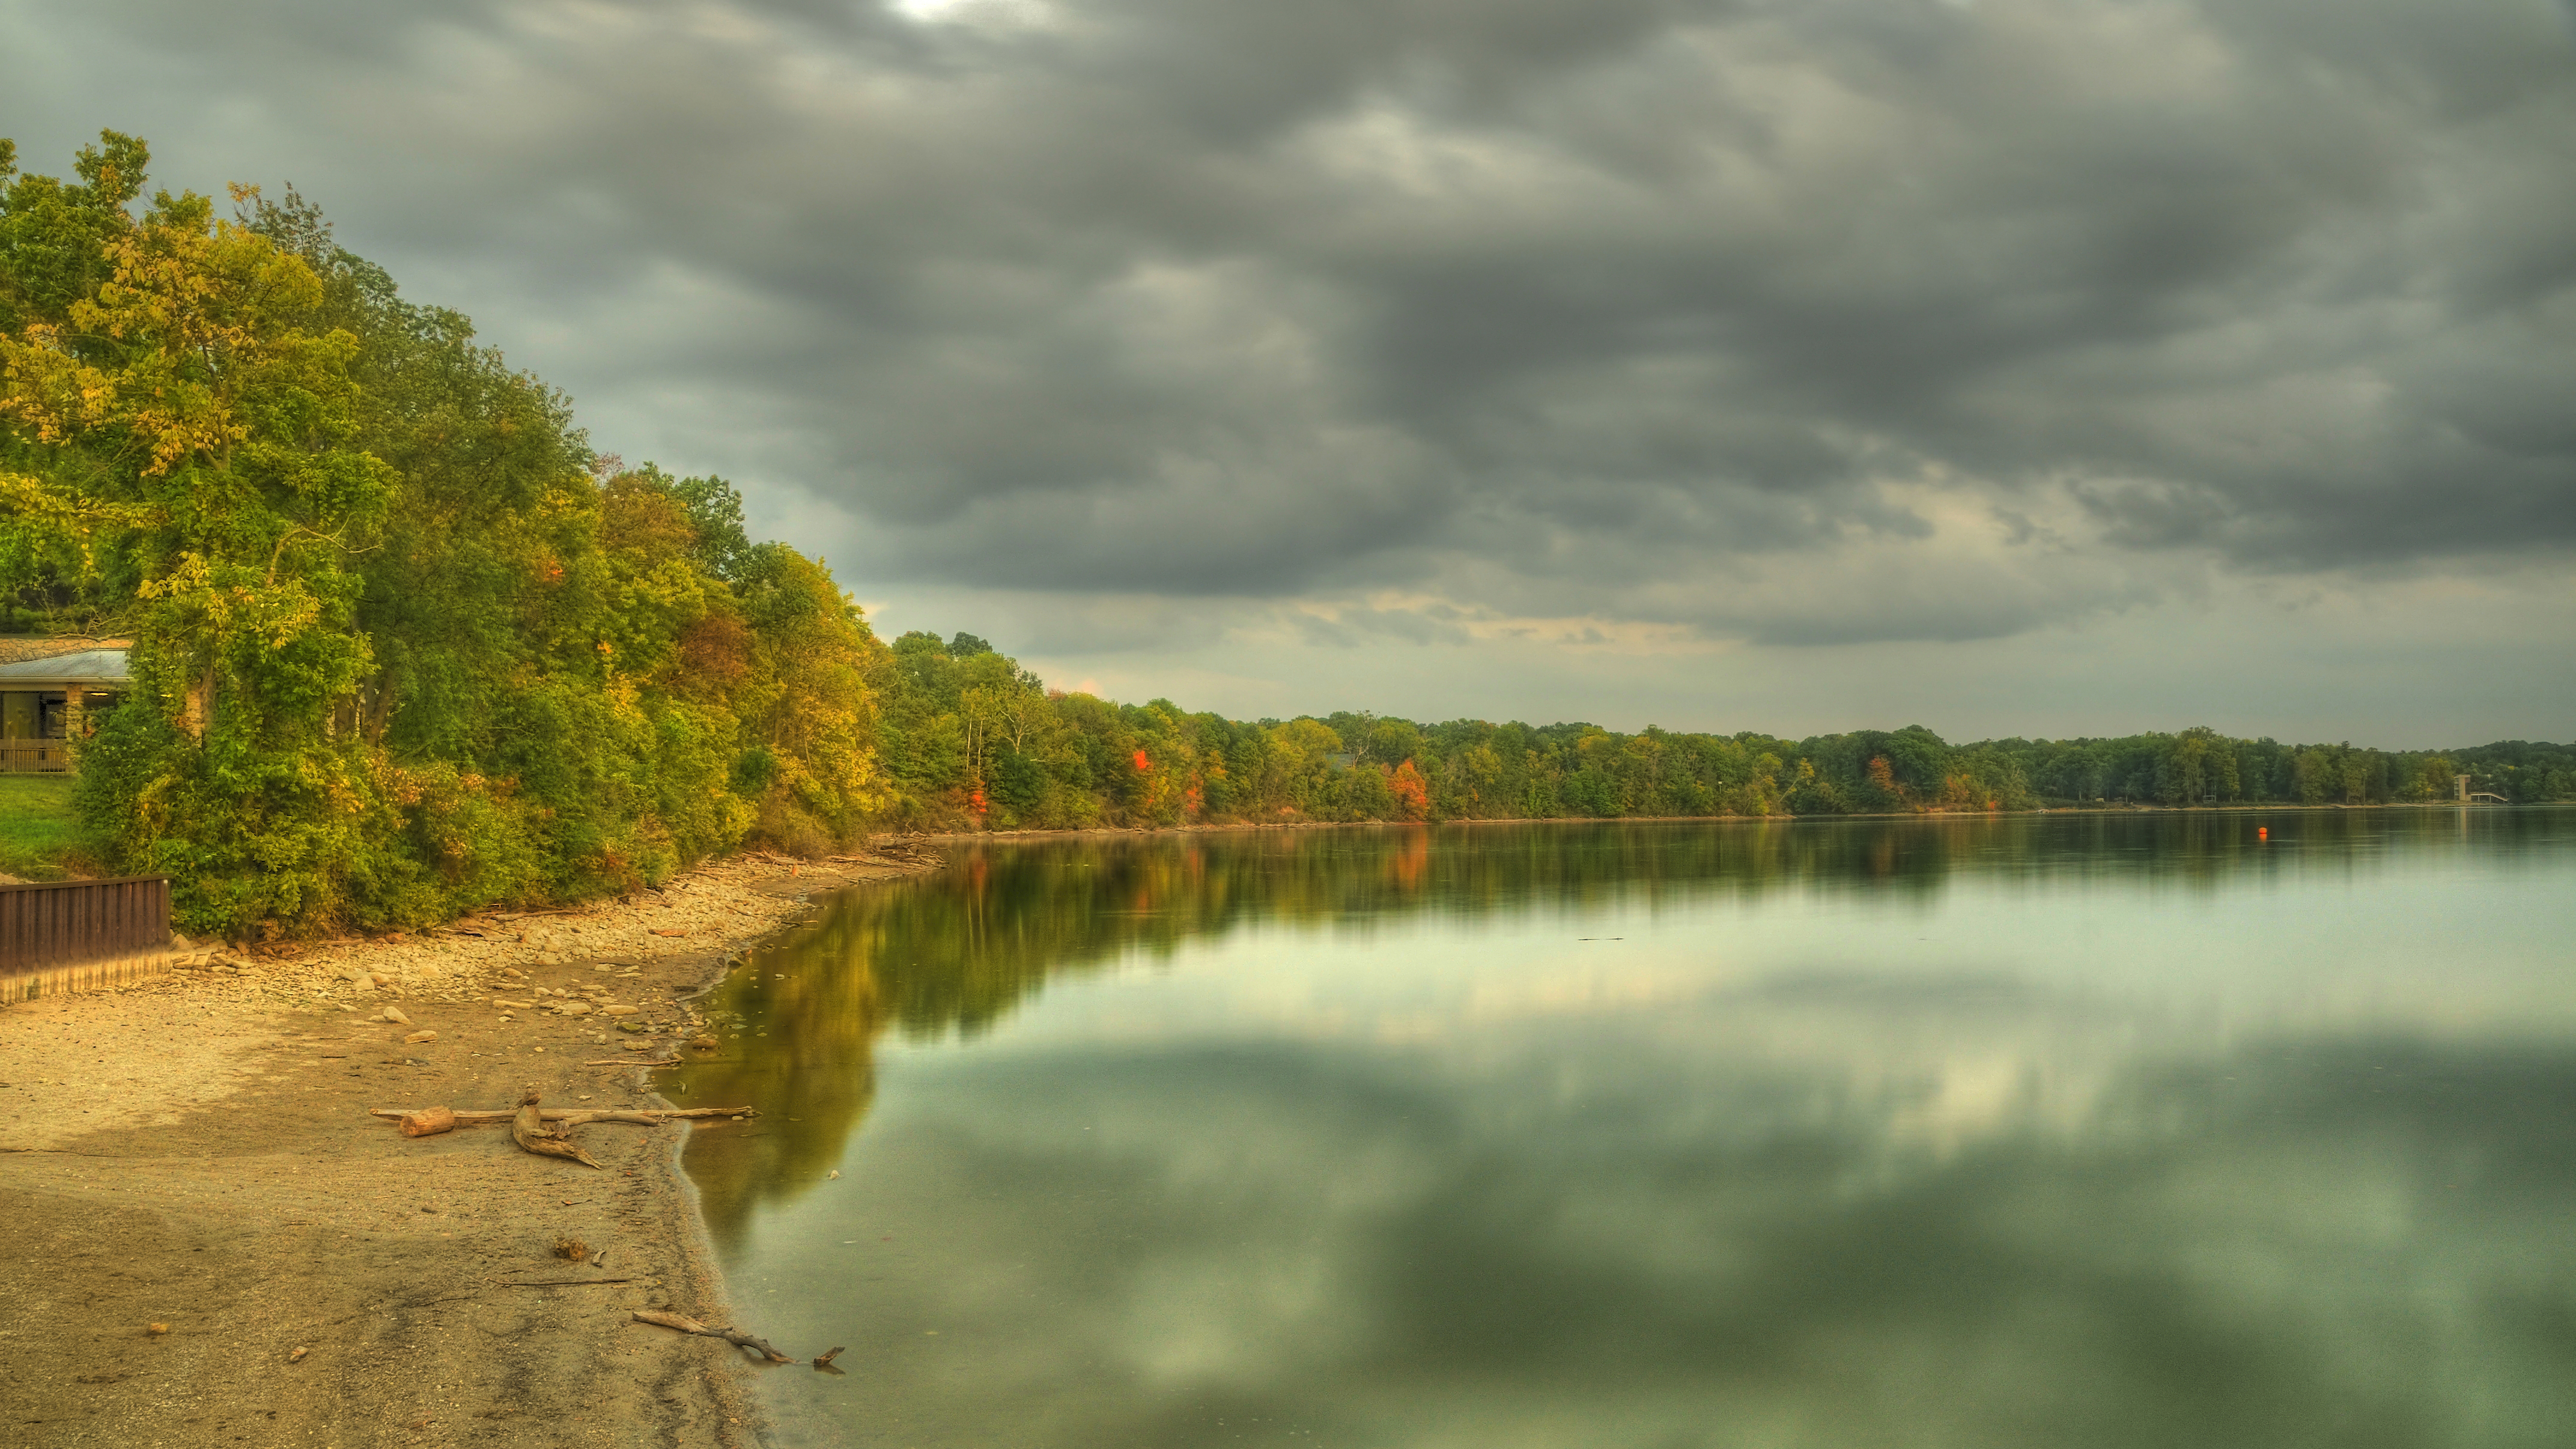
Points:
2031	1131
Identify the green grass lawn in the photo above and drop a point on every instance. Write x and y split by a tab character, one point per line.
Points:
38	833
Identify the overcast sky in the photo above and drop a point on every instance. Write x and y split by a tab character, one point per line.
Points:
2007	366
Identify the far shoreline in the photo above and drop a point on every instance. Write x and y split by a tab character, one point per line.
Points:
1084	832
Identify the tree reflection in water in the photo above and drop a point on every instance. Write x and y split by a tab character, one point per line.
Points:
960	951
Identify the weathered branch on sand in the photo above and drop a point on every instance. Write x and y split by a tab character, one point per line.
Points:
528	1129
547	1134
576	1116
734	1336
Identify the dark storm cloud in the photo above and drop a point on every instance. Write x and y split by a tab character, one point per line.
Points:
1805	322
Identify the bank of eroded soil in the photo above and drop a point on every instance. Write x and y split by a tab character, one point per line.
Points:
198	1153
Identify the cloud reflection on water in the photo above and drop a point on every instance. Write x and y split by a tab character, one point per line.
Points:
1775	1172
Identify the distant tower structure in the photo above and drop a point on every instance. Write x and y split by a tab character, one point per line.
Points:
2460	783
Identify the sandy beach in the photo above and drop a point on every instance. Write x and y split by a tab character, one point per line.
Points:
197	1190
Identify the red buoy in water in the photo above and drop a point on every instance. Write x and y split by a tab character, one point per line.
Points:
2262	832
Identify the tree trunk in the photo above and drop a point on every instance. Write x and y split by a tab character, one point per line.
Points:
200	714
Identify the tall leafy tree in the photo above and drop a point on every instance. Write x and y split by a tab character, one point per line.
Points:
403	644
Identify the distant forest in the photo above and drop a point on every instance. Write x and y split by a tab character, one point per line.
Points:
969	738
406	644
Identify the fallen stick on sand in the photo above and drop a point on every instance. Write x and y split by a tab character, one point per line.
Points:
642	1116
556	1282
529	1129
734	1336
544	1133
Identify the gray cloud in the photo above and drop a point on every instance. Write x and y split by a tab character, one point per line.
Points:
1802	323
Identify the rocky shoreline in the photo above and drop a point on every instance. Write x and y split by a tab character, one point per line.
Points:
196	1153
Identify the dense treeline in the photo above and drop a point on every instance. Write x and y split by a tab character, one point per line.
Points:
403	643
973	738
406	645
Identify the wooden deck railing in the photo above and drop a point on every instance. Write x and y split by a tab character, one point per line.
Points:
34	757
78	935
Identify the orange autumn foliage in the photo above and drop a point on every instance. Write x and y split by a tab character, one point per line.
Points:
1412	793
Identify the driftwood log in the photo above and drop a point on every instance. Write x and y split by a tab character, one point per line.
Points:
573	1116
545	1133
734	1336
427	1122
529	1129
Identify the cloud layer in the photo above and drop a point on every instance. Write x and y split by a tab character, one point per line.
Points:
1795	323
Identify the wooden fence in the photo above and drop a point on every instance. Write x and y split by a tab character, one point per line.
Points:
82	935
